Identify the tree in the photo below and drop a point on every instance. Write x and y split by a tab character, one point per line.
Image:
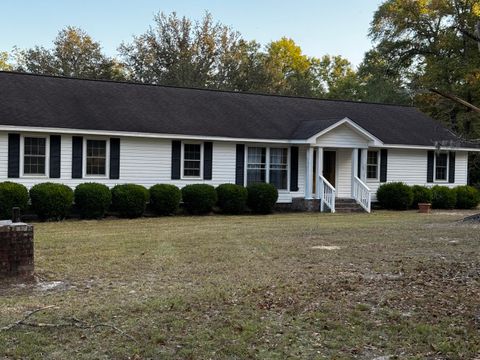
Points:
74	54
436	44
289	71
4	64
379	82
338	76
177	51
430	41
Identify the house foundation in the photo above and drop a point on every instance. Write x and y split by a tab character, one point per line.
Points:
299	204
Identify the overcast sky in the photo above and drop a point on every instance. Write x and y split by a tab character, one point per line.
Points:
319	27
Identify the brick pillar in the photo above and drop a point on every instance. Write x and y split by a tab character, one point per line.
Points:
16	250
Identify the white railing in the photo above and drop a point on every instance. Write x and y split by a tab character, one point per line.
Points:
327	194
362	194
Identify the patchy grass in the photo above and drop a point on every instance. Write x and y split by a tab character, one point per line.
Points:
281	286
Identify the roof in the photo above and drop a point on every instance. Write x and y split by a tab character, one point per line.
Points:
56	102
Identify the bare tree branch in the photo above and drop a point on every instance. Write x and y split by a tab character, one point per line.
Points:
72	322
456	99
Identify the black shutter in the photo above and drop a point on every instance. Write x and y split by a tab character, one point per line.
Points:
77	157
114	158
383	165
240	165
176	159
55	155
13	155
359	164
451	167
430	161
294	168
207	160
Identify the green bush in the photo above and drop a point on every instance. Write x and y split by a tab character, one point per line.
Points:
232	199
92	200
51	201
443	197
262	198
129	200
12	195
165	199
395	196
421	194
467	197
199	198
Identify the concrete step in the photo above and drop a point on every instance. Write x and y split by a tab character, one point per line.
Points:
347	206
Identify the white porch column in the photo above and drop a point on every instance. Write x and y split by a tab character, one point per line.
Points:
309	174
354	166
319	171
363	165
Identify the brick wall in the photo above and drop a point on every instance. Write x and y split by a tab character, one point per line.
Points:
16	250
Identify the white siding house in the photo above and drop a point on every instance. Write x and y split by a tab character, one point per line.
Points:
76	131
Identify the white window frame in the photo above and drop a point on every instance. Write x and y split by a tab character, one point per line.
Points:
107	158
377	178
22	156
267	164
182	163
447	174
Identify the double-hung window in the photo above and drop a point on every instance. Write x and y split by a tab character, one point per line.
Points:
192	160
268	165
372	165
279	168
34	155
96	159
441	167
256	165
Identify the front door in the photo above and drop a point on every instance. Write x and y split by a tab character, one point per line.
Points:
329	166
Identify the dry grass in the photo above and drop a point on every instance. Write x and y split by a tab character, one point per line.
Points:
399	285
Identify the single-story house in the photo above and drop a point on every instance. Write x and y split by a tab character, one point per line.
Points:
314	151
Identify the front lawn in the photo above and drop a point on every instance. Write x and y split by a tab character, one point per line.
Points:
279	286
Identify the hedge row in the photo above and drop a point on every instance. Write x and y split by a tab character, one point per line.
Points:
399	196
92	200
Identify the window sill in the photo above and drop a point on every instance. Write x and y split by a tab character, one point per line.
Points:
93	177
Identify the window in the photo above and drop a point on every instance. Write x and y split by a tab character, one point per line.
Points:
192	159
372	165
279	168
256	165
96	157
268	165
441	167
34	155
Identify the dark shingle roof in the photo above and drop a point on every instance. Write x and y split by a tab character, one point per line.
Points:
47	101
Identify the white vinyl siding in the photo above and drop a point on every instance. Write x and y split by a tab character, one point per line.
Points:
343	137
147	161
144	161
410	167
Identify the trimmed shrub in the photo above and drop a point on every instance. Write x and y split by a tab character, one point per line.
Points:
12	195
421	194
262	198
165	199
92	200
467	197
232	199
199	198
129	200
51	201
443	197
395	196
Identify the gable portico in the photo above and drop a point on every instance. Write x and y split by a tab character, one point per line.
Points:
336	163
